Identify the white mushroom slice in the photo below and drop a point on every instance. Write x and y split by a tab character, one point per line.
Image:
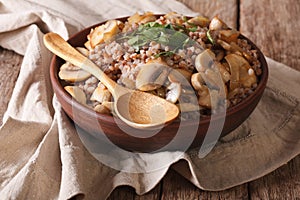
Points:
174	92
151	76
197	81
101	94
102	109
87	45
239	68
144	18
129	83
204	98
217	24
109	105
148	17
213	79
174	17
234	65
204	60
225	45
181	76
208	98
224	73
188	107
71	73
230	35
103	33
199	21
77	93
83	51
70	67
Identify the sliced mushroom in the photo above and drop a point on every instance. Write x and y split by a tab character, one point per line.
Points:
239	69
230	35
147	17
199	21
234	65
174	17
236	48
87	45
224	44
152	75
247	76
174	92
217	24
101	94
102	109
103	33
129	83
144	18
204	60
181	76
77	93
72	73
212	79
223	71
83	51
197	81
110	106
208	98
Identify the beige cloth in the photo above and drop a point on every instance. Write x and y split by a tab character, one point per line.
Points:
42	156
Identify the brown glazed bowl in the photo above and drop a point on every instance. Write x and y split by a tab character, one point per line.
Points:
174	136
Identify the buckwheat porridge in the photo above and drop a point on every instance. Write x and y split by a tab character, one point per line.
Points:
197	63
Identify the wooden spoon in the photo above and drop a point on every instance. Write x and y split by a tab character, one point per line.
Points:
138	109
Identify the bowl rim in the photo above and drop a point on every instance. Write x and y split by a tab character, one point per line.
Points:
263	78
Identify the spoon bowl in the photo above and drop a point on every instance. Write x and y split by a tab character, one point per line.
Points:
138	109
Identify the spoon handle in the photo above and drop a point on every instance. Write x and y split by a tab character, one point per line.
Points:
57	45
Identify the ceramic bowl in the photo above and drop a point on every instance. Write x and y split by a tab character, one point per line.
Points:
174	136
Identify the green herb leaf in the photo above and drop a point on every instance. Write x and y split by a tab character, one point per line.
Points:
210	37
193	29
168	35
164	53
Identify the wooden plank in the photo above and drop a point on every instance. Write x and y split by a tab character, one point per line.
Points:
176	187
226	10
127	193
274	26
122	193
154	194
283	183
10	63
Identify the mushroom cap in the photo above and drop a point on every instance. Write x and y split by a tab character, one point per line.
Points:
77	93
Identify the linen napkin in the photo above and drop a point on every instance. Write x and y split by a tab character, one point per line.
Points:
44	155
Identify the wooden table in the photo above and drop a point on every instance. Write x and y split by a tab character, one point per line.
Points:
274	25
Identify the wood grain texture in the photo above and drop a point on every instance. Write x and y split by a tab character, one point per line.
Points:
126	192
10	64
122	193
283	183
274	26
226	10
